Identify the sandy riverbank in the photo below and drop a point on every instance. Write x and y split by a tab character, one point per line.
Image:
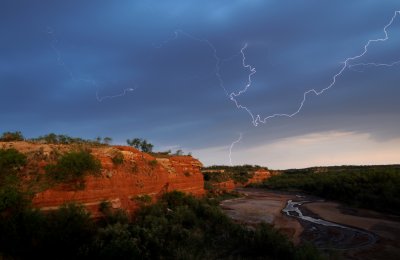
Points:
262	206
385	226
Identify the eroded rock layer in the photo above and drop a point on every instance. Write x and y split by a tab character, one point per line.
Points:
123	184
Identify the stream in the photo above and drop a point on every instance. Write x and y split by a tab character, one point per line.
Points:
328	235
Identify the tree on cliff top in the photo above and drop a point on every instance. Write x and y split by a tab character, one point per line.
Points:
11	136
107	140
141	144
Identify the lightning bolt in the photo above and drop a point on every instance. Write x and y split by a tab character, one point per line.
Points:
218	60
100	99
374	64
231	147
60	61
256	119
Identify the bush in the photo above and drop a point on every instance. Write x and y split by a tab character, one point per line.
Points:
30	234
239	174
143	199
11	136
176	227
105	206
153	163
53	138
10	160
69	232
118	158
74	166
11	198
115	242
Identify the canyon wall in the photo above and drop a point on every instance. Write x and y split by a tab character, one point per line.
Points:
229	185
124	185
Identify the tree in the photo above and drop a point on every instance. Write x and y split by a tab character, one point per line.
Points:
11	136
140	144
107	140
146	147
136	142
10	160
74	166
51	138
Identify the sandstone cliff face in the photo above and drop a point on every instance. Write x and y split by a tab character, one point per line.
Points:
259	176
225	186
120	184
229	185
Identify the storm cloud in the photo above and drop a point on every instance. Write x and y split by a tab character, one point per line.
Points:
56	56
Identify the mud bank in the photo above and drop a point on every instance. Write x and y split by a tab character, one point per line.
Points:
349	233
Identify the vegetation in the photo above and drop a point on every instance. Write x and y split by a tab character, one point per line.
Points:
373	187
239	174
143	199
153	163
169	153
65	139
11	136
107	140
140	144
10	161
176	227
10	195
74	166
118	158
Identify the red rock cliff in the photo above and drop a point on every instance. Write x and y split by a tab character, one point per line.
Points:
229	185
121	184
259	176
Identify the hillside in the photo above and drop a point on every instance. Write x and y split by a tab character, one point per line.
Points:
374	187
38	182
221	178
126	178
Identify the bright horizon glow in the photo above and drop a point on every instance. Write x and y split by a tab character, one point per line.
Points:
345	148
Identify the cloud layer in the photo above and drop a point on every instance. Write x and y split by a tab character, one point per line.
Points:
55	57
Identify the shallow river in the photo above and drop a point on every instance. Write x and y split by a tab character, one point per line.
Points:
326	234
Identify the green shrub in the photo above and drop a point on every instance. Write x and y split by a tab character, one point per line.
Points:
239	174
10	160
143	199
69	231
53	138
11	136
118	158
135	168
11	198
104	206
176	227
115	241
153	163
74	166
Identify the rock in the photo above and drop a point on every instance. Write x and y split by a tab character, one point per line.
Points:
140	173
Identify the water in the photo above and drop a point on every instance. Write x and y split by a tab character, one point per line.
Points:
346	238
293	211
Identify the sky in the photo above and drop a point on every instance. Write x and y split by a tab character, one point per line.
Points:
165	71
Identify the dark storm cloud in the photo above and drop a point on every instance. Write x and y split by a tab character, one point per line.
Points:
55	56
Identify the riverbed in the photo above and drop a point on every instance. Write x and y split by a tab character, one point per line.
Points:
332	227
